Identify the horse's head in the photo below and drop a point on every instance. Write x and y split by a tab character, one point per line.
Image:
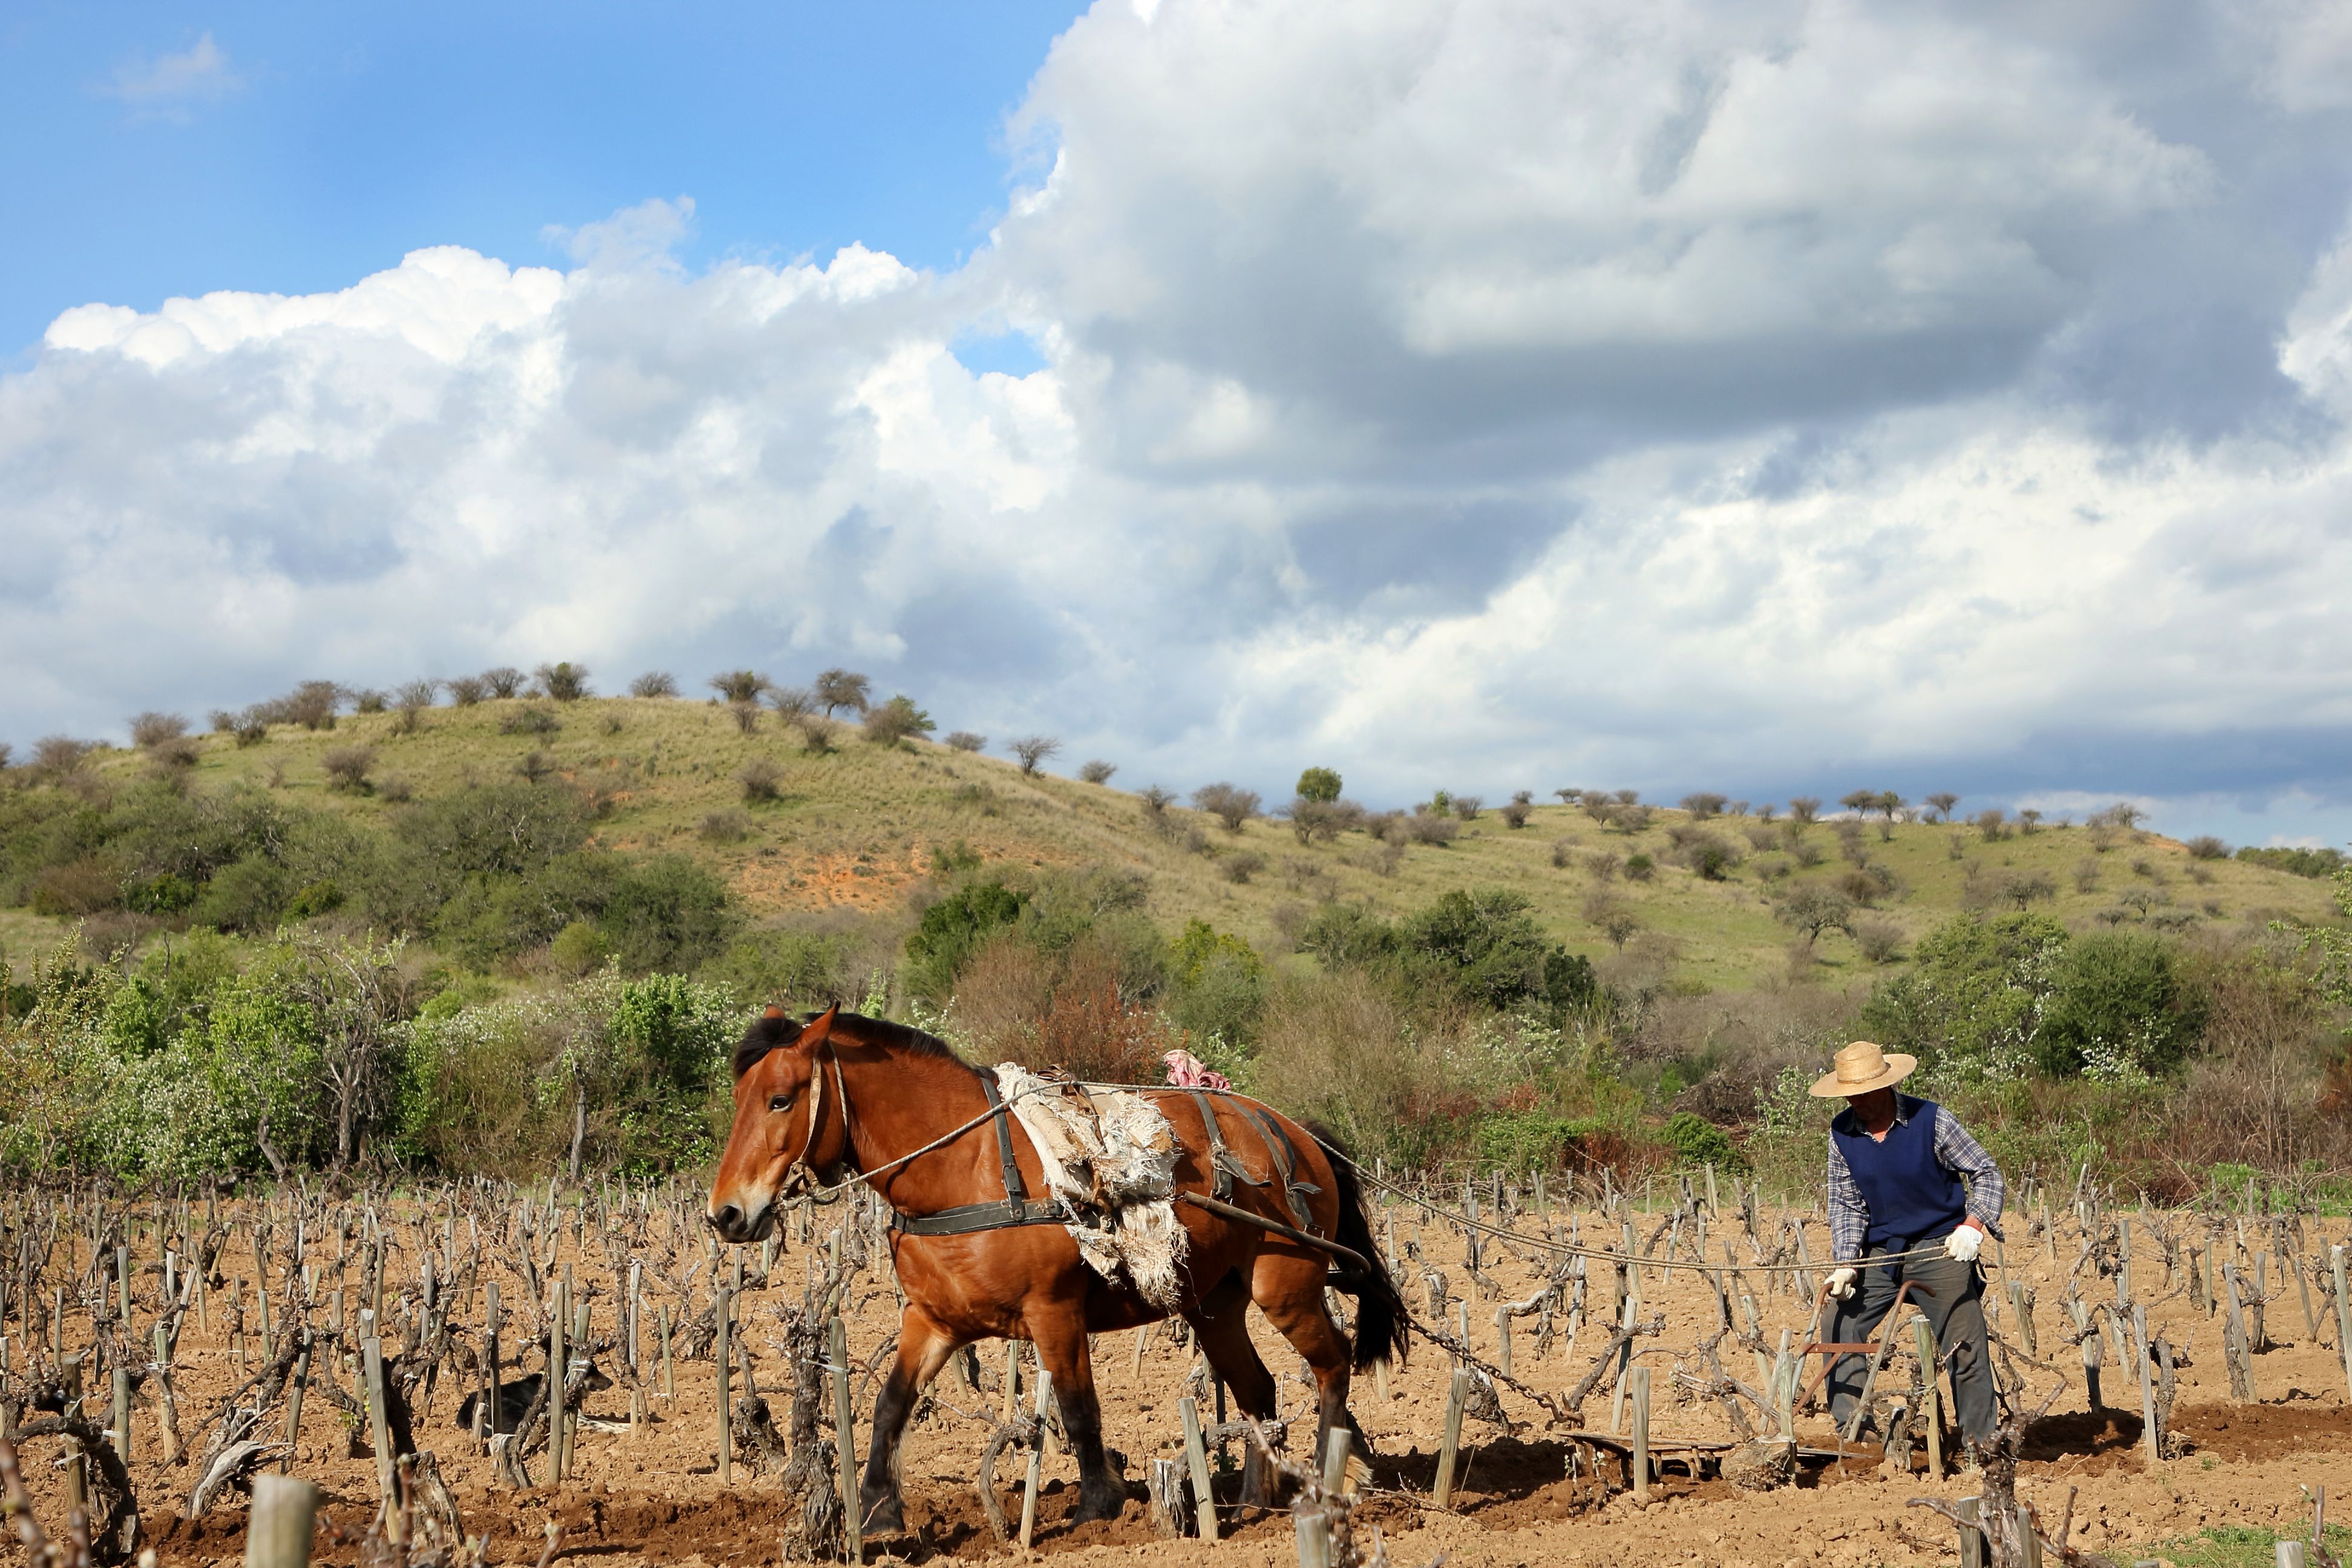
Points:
789	1122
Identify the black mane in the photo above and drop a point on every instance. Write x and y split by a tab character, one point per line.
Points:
778	1029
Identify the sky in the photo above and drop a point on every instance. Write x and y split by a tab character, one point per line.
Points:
1767	398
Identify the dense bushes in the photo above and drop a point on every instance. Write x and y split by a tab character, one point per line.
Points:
1483	947
486	871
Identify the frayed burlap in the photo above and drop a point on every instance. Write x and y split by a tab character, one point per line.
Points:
1111	1156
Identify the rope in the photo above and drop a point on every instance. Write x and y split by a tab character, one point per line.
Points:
1546	1244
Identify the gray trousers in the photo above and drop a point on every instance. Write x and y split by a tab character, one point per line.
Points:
1955	1311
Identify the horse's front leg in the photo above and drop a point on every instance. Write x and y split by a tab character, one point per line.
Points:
1062	1347
923	1348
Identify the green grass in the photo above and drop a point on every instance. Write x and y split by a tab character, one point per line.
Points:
2232	1546
857	828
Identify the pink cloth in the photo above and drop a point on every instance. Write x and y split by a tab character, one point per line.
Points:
1186	1071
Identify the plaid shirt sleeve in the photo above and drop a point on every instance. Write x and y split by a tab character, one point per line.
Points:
1964	1156
1849	1216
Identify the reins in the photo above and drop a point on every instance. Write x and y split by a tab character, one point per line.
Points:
819	1193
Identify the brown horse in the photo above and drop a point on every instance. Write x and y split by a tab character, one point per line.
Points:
843	1093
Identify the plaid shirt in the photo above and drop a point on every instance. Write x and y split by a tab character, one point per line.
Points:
1955	1150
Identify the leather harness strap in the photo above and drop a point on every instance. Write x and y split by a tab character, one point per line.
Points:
1014	1210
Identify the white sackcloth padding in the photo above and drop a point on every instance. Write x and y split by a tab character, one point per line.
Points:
1111	1156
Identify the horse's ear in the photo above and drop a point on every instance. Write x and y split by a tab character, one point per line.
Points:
820	1028
775	1011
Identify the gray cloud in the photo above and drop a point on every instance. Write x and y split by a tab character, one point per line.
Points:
1475	393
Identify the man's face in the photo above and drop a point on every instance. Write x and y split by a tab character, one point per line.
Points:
1873	1105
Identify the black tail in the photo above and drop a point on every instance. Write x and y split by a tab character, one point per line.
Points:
1379	1311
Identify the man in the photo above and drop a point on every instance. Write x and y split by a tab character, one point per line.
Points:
1904	1175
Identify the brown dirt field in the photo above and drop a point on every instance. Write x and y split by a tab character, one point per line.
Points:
654	1497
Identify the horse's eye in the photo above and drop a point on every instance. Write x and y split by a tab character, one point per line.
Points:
780	1103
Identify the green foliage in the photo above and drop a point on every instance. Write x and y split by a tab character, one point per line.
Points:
2119	1006
793	969
1698	1141
1976	991
1525	1141
1483	946
579	949
953	929
2301	862
669	912
1319	784
1216	989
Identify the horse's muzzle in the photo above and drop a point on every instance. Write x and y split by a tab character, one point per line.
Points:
733	1225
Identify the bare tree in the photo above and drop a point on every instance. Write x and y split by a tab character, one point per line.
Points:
1804	810
564	680
413	699
1097	772
348	768
964	740
359	993
1227	803
747	716
838	688
1704	804
654	683
464	691
1032	750
1940	806
151	730
791	703
504	680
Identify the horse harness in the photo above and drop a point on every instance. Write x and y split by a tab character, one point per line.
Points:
1018	1208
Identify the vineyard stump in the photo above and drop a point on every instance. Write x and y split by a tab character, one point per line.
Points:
724	1368
1923	1340
285	1513
1450	1447
1641	1379
1196	1455
1036	1460
2343	1314
844	1432
294	1390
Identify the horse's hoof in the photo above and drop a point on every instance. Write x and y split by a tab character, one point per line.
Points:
884	1516
1108	1506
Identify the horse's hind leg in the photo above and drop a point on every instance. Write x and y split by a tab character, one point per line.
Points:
1221	1324
923	1348
1289	1291
1062	1347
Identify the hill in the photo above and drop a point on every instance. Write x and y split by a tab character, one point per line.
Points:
864	829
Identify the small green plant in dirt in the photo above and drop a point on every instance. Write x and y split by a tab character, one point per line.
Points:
1698	1141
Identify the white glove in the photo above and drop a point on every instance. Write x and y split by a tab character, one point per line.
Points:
1841	1282
1963	1244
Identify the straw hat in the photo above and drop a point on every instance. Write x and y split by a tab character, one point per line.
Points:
1862	1068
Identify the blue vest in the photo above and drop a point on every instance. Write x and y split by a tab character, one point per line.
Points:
1910	1194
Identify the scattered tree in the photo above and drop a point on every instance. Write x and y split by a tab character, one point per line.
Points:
1811	907
747	716
1804	810
1521	807
565	681
964	740
654	683
1861	802
1703	805
1318	785
466	690
728	826
504	680
1612	917
1032	751
348	768
530	722
792	703
58	757
414	698
535	766
838	689
896	720
817	733
1879	941
1226	803
1629	797
2205	846
740	684
369	700
1241	865
150	730
1639	867
1939	805
1468	806
761	778
1992	823
1097	772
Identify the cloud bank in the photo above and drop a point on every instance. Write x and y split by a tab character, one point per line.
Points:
1759	397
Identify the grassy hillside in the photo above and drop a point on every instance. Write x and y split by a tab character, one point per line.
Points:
860	828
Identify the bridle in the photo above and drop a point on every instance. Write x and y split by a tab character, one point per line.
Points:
800	1179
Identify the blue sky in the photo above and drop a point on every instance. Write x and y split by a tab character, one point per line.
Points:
1773	396
332	140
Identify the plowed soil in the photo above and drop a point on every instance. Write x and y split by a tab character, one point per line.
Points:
654	1496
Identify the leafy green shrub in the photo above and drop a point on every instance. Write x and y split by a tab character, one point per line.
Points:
1524	1142
2120	1004
530	722
891	722
2324	862
1319	784
953	929
1976	990
799	970
1639	867
579	949
1698	1141
564	682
